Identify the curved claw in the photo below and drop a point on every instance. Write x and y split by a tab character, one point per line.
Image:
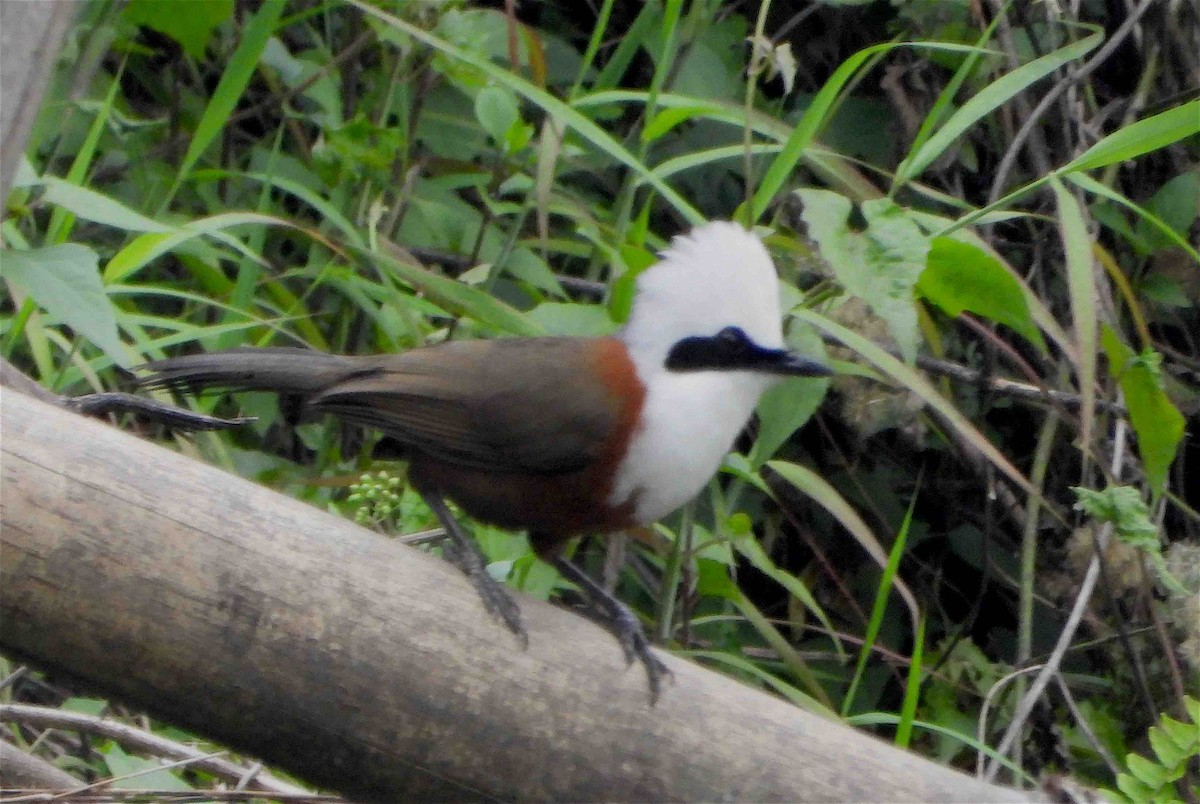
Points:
634	643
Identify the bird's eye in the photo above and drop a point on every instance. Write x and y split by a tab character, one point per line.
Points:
732	336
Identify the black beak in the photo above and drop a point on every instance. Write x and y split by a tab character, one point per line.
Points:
792	364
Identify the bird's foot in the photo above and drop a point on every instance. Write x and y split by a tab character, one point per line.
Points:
496	598
632	636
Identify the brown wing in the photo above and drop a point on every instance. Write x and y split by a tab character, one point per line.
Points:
527	405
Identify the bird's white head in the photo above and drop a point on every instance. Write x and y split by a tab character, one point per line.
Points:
710	303
706	338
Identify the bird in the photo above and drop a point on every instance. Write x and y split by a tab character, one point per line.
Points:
559	436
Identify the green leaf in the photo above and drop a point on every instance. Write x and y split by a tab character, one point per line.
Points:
359	143
496	110
456	297
669	118
1135	789
565	115
713	579
98	208
559	318
989	99
1157	422
880	265
237	74
1149	773
1185	736
1124	507
1176	205
960	276
65	282
787	406
750	549
1082	290
144	774
1135	139
188	22
1170	754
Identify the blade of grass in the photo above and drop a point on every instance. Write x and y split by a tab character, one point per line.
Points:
792	693
888	719
828	497
912	690
1081	287
818	113
991	97
879	608
569	116
794	661
913	381
942	105
234	79
1140	137
61	220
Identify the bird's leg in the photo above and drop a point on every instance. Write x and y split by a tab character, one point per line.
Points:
622	622
468	558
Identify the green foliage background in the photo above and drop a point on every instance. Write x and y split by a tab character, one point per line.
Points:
986	221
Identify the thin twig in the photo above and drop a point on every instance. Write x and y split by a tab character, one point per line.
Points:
1057	90
140	740
1026	704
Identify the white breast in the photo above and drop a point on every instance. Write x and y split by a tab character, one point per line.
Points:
689	422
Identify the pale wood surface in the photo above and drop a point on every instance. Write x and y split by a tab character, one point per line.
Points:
364	665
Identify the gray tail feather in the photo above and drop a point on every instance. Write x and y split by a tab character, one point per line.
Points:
280	369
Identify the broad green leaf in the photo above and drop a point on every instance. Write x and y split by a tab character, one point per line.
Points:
1042	316
1176	205
787	406
880	265
140	773
65	282
959	276
1157	422
496	110
188	22
1144	136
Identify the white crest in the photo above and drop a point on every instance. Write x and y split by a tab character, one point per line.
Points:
718	275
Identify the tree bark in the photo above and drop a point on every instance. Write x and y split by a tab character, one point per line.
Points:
365	666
